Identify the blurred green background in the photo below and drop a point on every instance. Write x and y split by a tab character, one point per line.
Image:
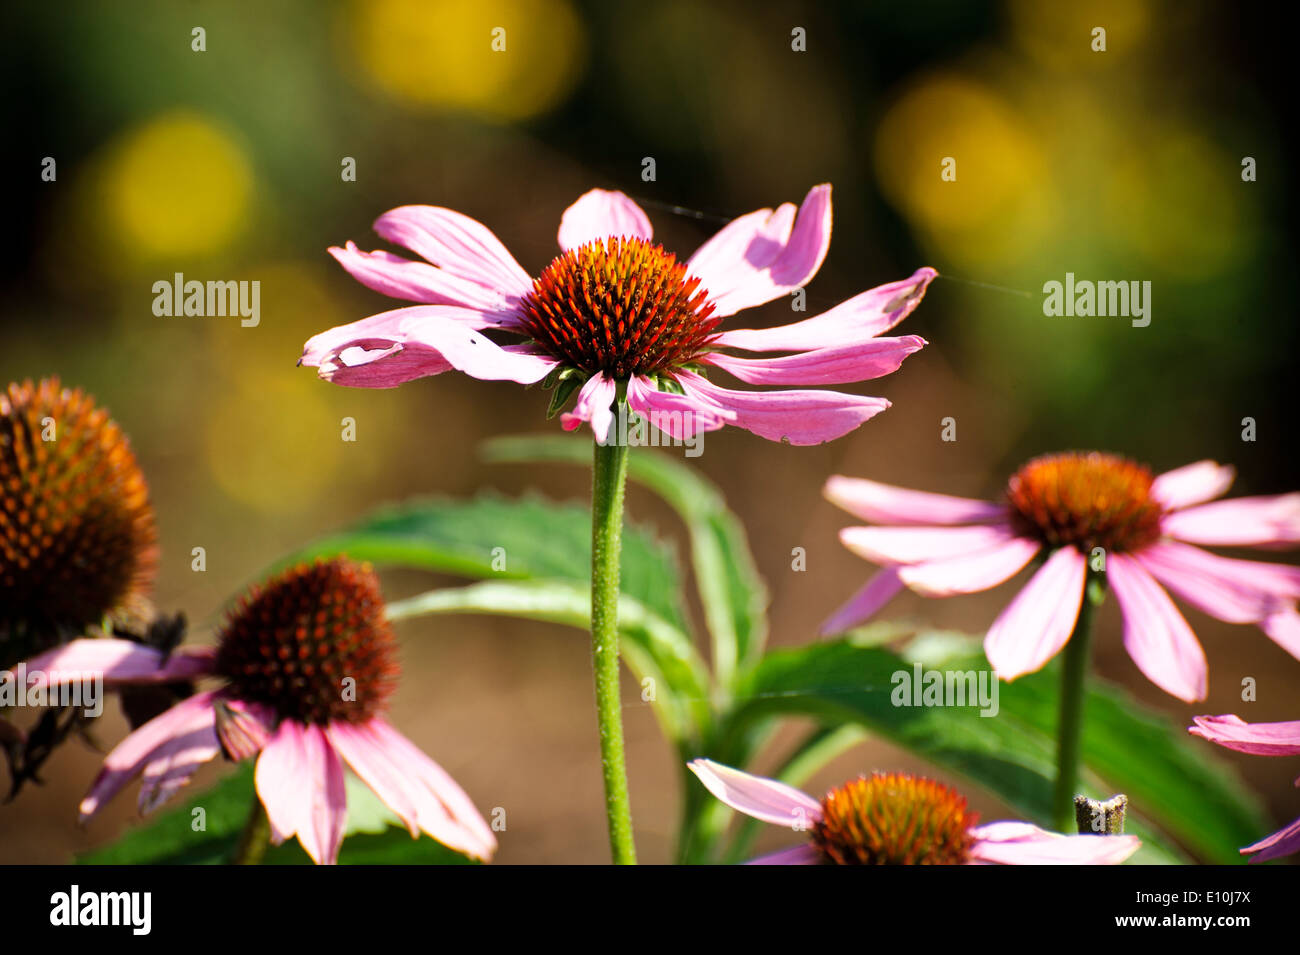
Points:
225	164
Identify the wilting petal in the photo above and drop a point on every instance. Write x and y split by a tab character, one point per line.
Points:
797	417
1259	739
879	590
1281	843
388	328
1284	629
886	504
915	545
172	764
1192	484
763	255
130	756
443	809
118	661
419	281
1237	591
599	214
1019	843
457	244
242	728
970	573
862	317
799	855
833	365
1242	521
678	416
1155	633
1038	622
299	779
594	405
764	799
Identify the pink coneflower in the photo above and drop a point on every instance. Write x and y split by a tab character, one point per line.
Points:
1068	505
899	819
1260	739
615	315
308	663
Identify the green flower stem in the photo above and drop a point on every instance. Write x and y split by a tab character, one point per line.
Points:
255	837
609	477
1074	676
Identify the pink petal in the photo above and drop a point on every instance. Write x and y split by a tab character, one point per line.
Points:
1237	591
970	573
594	404
886	504
1038	622
444	810
1258	739
678	416
879	590
1281	843
763	799
459	245
1243	521
834	365
116	662
370	761
419	281
423	340
763	255
1192	484
1155	633
600	214
1019	843
915	545
242	728
860	318
131	755
387	328
800	855
1284	629
172	764
797	417
299	779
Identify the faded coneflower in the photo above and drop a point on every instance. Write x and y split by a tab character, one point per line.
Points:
615	315
898	819
1259	739
308	664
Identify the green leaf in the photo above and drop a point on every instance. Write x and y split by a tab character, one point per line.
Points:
170	839
1173	786
732	593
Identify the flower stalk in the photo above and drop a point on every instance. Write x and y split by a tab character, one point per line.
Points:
254	838
1074	677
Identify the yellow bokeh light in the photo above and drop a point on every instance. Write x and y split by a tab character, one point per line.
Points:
178	185
504	59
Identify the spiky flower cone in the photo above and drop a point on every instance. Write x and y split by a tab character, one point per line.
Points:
77	535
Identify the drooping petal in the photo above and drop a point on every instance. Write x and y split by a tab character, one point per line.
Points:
1155	633
886	504
242	728
299	779
370	761
1244	522
457	244
172	764
129	757
1192	484
972	572
402	278
594	404
860	318
1019	843
763	255
1236	591
763	799
116	662
599	214
799	855
797	417
1258	739
833	365
1283	628
450	816
1281	843
878	591
418	341
678	416
1038	622
915	545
